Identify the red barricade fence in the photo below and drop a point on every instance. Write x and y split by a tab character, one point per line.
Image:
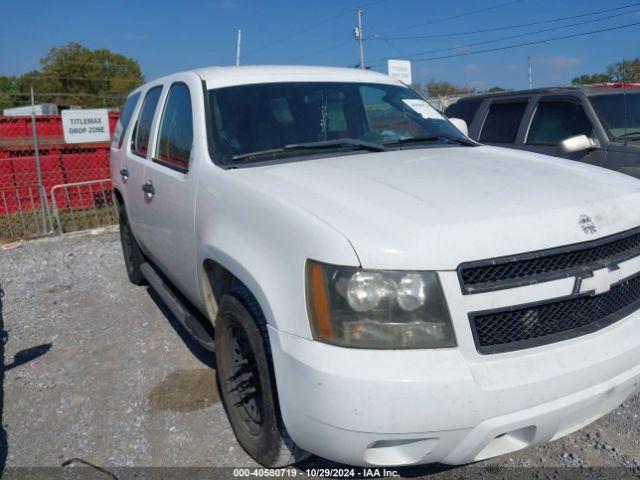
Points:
74	180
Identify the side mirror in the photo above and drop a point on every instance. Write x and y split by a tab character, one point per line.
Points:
579	143
460	125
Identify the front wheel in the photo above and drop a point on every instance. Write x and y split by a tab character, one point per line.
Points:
247	383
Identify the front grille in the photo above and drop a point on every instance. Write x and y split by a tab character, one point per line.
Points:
545	265
543	323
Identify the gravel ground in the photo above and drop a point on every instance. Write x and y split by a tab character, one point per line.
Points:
97	369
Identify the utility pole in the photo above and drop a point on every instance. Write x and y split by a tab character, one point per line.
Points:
359	34
36	149
530	73
238	47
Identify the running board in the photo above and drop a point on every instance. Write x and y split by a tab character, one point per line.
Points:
182	313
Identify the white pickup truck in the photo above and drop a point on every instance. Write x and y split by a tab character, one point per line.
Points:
378	288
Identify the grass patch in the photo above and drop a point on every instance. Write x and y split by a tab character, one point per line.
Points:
15	226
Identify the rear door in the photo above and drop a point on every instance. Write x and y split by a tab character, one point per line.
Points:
132	173
119	160
171	181
555	119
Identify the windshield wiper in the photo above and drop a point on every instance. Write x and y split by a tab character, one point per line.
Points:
257	153
628	134
431	138
339	142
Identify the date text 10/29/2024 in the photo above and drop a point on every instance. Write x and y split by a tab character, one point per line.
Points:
316	472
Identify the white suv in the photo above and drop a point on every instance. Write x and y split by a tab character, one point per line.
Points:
384	290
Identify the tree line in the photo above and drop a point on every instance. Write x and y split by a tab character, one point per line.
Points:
74	75
627	71
448	89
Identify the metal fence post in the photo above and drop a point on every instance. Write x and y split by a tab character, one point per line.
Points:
43	194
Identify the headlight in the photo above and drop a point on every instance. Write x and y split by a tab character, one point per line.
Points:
377	309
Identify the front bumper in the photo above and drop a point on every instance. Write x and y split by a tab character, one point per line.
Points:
366	407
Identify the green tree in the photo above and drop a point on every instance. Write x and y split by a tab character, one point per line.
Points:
89	77
627	71
9	90
76	75
591	79
444	89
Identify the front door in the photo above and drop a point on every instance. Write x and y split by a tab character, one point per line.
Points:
556	119
171	188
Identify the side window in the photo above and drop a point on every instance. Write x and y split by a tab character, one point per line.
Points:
502	122
555	121
464	109
176	130
125	118
142	130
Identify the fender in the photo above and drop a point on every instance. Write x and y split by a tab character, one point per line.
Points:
265	242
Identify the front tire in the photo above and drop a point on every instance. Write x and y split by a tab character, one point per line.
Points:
247	383
133	257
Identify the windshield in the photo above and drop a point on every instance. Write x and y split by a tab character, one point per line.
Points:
278	120
621	122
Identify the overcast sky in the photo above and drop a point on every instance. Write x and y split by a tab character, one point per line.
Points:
168	36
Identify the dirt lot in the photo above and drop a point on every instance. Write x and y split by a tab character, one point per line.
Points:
97	369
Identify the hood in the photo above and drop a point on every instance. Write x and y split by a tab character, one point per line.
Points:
434	208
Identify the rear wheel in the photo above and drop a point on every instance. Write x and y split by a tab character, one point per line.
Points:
133	257
247	383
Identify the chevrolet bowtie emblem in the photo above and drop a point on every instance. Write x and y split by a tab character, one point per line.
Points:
600	280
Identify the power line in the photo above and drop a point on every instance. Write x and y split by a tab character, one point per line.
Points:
535	42
60	94
39	76
519	35
460	15
472	12
322	50
105	63
508	27
314	25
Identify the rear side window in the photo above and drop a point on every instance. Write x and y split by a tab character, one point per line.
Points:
125	118
502	122
176	130
555	121
143	127
464	109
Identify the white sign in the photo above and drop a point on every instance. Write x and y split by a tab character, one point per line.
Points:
423	108
85	126
400	70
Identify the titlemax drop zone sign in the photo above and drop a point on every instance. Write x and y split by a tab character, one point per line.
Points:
85	126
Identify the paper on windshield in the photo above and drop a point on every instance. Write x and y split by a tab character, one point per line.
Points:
423	108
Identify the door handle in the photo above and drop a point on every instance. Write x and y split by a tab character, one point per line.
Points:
124	173
148	189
